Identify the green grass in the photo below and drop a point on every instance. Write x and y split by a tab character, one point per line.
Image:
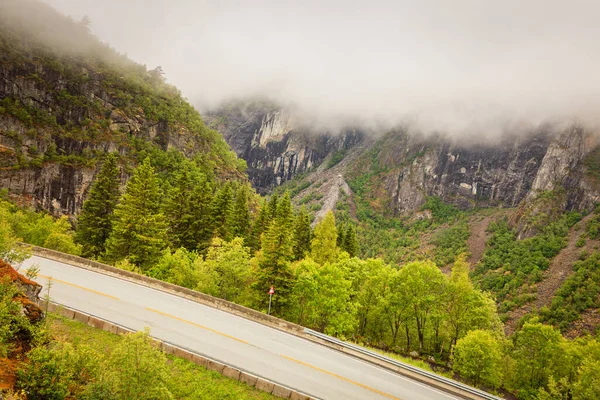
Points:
411	361
189	381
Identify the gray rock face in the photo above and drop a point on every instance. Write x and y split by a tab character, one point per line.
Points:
274	148
502	173
468	174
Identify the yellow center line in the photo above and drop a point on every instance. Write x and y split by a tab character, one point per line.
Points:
196	325
389	396
78	287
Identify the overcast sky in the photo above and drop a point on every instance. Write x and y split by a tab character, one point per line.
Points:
450	65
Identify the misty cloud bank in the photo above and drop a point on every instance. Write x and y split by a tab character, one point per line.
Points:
451	66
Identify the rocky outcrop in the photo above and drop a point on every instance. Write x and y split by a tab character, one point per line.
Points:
30	291
402	169
276	148
66	100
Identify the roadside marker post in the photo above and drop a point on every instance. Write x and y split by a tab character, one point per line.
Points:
271	291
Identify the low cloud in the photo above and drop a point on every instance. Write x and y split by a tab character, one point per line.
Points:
451	66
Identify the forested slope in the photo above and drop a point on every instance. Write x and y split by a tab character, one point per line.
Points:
66	99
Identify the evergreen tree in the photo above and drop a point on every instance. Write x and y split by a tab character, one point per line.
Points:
258	227
341	237
351	241
302	234
139	228
187	207
221	208
240	216
272	207
94	224
324	243
277	252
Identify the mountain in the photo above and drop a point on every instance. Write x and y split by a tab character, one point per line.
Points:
66	99
397	171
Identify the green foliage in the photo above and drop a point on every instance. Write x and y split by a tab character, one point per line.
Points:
440	211
579	292
34	228
536	350
509	263
451	242
350	241
13	323
276	254
139	228
322	297
302	234
135	369
323	246
240	214
220	211
187	207
178	268
225	272
336	158
478	356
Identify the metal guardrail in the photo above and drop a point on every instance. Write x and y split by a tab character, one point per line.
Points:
427	374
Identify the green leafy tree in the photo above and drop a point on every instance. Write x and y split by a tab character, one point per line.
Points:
187	207
536	349
466	307
10	251
94	224
323	246
587	386
177	268
225	272
135	369
478	356
302	234
323	295
139	228
276	253
240	215
423	286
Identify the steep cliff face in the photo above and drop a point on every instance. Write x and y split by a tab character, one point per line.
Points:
398	171
502	173
66	100
274	148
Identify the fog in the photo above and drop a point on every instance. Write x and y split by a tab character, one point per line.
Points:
452	66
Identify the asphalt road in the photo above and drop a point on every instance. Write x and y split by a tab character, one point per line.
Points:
260	350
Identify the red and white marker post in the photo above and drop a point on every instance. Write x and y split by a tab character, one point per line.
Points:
271	291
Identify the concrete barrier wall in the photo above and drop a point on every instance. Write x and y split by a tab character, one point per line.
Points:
202	298
229	371
241	311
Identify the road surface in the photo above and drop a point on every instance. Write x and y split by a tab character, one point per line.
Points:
260	350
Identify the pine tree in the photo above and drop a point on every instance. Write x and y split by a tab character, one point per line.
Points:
94	224
139	228
258	227
272	207
187	208
341	237
302	234
221	208
351	241
323	246
277	252
240	215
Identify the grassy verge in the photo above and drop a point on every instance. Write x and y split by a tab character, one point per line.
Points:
188	380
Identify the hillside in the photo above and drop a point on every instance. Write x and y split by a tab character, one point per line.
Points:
66	99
